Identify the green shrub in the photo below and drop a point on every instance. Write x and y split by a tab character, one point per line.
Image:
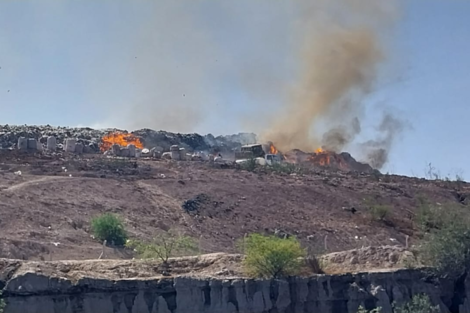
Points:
163	247
418	304
447	249
379	212
109	227
271	256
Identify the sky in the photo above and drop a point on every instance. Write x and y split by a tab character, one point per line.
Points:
217	67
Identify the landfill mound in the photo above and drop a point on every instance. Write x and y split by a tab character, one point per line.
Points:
91	138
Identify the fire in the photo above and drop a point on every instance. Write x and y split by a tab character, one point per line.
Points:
273	150
319	150
121	139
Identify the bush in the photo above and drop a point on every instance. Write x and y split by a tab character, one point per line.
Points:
379	212
447	249
271	256
163	247
110	228
418	304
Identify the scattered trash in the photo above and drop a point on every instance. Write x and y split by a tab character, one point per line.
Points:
56	243
18	173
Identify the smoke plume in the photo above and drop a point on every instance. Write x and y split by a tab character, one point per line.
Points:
389	129
339	58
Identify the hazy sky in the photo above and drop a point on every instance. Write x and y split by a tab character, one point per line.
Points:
217	66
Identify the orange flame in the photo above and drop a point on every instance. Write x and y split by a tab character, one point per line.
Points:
121	139
319	150
273	150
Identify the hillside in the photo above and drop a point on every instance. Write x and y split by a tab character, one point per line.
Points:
45	211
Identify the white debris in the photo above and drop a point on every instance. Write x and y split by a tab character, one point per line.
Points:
55	243
70	175
18	173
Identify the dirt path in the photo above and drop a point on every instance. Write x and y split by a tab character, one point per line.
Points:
36	181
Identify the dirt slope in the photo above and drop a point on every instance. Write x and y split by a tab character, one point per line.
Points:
45	213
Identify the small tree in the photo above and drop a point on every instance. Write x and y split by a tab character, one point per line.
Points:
163	247
447	250
271	256
109	227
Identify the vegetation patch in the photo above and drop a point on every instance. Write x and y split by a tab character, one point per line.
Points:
109	227
163	247
272	257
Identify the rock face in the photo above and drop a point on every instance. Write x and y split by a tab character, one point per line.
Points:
36	292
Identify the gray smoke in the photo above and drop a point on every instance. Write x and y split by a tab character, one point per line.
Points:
377	151
337	138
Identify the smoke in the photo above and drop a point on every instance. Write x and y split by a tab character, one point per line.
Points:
389	129
298	69
339	56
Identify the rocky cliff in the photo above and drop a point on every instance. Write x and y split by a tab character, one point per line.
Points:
31	288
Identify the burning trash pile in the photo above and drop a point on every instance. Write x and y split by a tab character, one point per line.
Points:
87	140
327	159
166	145
121	144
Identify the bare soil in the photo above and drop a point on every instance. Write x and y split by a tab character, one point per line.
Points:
45	212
